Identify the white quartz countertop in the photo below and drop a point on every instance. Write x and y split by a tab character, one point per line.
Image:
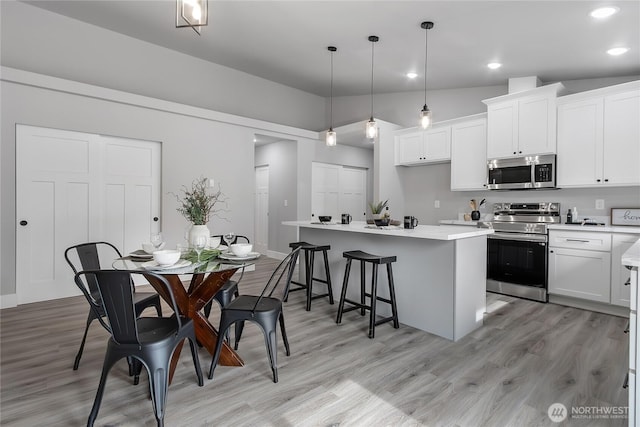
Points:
433	232
592	228
632	256
458	222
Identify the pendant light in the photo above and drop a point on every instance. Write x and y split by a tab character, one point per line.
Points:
425	114
371	130
331	134
192	13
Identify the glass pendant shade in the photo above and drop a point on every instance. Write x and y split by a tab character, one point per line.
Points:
372	129
425	117
331	138
192	13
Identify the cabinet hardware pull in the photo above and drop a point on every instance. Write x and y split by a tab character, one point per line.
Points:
625	384
577	240
628	282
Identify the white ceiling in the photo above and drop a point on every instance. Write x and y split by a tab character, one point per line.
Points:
286	41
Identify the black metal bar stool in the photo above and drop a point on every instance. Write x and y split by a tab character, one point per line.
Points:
309	257
375	260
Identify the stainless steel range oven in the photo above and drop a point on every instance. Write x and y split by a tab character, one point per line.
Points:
517	250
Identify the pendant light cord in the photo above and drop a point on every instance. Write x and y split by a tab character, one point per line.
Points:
426	46
331	95
372	46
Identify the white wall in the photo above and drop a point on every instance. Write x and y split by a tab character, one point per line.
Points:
192	145
40	41
403	108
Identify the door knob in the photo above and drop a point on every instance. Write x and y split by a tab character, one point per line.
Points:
155	219
23	223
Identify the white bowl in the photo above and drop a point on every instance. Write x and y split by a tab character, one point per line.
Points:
214	242
149	248
166	257
241	249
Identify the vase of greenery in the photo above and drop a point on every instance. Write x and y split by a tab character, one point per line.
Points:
377	209
197	204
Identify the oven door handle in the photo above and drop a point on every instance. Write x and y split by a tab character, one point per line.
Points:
539	238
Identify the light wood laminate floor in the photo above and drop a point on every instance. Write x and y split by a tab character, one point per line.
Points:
526	356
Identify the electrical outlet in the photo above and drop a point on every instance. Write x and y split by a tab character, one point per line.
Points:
436	204
286	203
599	203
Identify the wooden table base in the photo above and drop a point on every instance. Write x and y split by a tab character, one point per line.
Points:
190	302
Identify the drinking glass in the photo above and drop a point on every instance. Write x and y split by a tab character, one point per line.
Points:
199	243
157	240
229	237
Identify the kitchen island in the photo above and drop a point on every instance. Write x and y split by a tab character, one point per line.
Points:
440	273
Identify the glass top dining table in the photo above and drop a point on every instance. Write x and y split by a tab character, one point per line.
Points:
204	280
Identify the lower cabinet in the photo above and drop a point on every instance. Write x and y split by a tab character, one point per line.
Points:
580	273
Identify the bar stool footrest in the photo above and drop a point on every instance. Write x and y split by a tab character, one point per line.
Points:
385	320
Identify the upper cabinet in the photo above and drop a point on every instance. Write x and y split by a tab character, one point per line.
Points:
599	137
418	147
523	123
469	153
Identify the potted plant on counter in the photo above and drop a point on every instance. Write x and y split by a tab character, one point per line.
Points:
197	204
378	208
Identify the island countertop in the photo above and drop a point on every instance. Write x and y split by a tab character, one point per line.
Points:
433	232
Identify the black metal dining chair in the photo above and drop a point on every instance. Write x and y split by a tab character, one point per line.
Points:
264	309
94	256
149	340
229	290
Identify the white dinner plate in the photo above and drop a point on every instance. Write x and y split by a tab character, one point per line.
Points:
152	265
140	254
231	257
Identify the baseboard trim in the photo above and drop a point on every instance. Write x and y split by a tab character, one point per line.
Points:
276	255
8	301
614	310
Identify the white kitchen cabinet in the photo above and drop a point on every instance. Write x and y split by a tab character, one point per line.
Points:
599	137
580	274
580	265
620	243
468	154
418	147
523	123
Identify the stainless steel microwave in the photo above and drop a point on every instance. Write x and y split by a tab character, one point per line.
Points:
522	173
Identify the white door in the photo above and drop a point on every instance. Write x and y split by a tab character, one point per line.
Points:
325	187
74	187
353	192
261	243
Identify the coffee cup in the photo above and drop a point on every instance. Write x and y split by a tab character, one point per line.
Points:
345	218
410	222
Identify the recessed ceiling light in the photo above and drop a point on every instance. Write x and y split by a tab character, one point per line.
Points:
412	75
604	12
618	51
494	65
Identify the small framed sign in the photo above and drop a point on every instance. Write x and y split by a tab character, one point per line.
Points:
625	216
